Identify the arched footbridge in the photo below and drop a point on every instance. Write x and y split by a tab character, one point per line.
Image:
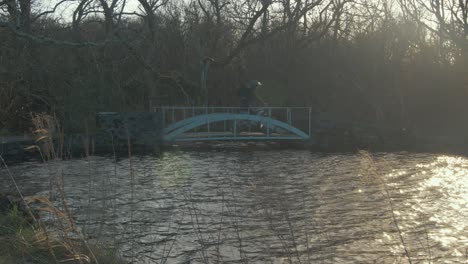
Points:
185	124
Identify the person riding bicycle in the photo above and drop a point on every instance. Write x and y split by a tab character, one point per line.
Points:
250	103
247	94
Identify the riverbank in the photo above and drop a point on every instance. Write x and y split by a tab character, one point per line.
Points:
15	149
25	239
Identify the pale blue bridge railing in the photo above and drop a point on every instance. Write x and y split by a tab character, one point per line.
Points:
235	123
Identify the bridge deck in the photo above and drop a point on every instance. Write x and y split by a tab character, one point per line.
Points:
215	136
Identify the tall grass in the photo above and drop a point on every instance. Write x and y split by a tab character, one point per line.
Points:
372	172
29	236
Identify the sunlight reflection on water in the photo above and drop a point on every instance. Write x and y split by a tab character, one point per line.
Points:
450	176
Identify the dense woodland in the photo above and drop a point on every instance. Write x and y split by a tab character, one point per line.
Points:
400	63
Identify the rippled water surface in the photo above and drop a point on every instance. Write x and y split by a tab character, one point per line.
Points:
282	206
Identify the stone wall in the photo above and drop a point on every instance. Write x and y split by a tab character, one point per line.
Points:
142	129
116	129
13	147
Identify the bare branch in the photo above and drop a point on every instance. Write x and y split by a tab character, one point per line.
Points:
243	40
49	41
36	17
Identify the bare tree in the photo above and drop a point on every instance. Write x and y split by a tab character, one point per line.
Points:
112	10
446	19
19	12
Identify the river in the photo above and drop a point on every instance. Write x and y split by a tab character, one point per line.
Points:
263	206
